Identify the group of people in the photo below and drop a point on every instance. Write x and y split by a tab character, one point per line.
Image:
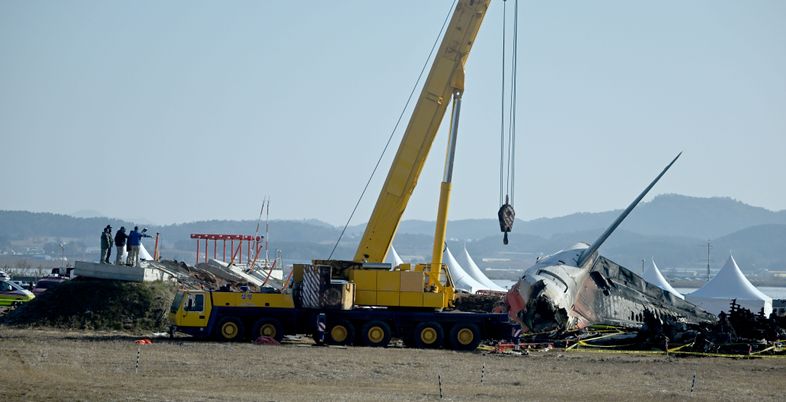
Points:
123	242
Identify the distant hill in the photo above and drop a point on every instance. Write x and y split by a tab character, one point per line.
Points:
665	215
762	246
672	228
668	215
17	225
87	213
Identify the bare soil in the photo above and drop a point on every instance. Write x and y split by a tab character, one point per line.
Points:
55	365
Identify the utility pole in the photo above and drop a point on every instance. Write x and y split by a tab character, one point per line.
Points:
62	253
709	246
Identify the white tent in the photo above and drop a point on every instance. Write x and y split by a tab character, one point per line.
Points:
393	257
143	254
478	275
461	279
730	283
652	275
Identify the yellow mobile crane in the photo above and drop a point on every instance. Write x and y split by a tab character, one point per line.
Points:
365	301
445	82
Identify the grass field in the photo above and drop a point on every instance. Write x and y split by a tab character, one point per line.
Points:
55	365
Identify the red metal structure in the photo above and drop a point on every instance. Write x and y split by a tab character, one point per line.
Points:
235	252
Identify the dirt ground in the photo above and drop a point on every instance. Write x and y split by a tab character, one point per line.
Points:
53	365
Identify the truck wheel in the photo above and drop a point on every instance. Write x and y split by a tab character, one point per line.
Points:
375	334
464	337
229	329
340	333
268	327
428	335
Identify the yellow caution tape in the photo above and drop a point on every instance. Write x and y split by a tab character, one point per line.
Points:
754	355
610	330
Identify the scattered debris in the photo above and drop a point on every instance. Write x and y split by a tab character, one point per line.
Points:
485	303
266	340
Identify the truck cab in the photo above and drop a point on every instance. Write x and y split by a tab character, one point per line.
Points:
231	316
190	312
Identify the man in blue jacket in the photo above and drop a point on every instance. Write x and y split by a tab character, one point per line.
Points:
134	241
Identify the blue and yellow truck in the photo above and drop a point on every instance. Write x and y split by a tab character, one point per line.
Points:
347	318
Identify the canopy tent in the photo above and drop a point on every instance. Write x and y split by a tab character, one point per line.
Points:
461	279
393	258
143	254
730	283
478	275
652	275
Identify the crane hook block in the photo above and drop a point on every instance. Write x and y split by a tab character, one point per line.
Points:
506	216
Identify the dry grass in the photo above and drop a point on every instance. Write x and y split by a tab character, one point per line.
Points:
51	365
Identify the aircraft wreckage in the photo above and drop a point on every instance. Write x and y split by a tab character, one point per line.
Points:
574	288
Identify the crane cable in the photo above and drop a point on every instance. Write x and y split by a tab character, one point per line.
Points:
395	127
507	174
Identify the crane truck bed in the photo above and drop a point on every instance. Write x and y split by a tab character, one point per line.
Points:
316	300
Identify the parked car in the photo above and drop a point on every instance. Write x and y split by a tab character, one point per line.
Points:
12	294
47	282
24	284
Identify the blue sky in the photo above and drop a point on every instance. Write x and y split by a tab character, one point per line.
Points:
184	110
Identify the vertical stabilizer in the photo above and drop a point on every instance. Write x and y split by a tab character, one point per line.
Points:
596	245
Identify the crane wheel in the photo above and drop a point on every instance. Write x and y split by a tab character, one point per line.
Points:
464	337
268	327
375	334
229	329
340	333
428	335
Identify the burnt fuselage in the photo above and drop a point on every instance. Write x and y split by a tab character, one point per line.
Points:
556	295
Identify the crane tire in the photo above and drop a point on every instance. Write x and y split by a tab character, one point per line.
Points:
341	332
428	335
464	336
229	329
268	327
375	334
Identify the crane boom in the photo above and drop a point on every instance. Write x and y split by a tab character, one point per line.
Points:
445	79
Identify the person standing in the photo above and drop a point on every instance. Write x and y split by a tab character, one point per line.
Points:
106	244
120	243
134	241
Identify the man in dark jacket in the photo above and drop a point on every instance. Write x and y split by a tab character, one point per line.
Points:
120	243
106	245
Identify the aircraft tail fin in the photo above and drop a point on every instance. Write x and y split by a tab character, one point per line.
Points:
597	243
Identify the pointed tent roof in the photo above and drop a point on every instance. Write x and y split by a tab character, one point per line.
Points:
475	272
730	282
393	257
461	279
652	275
